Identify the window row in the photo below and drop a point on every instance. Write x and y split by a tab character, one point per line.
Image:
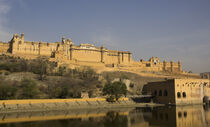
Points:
189	85
180	114
179	95
161	93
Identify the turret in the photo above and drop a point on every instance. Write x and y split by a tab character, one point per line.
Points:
179	66
69	41
164	65
63	40
15	38
22	37
172	66
71	51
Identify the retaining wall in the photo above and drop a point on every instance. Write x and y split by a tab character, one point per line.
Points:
57	104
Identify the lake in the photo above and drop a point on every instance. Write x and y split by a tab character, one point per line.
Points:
165	116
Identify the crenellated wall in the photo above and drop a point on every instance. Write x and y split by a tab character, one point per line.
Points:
4	47
90	53
65	51
19	46
154	64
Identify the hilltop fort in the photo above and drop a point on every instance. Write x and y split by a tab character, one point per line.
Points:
165	82
67	53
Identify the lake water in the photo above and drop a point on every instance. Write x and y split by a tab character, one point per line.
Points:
180	116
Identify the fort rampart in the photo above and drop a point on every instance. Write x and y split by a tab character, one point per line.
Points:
66	52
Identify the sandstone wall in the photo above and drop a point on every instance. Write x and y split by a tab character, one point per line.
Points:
58	104
111	57
190	90
161	66
66	51
87	55
179	91
34	48
4	47
46	49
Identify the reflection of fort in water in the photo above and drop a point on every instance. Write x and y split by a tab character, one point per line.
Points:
180	116
187	116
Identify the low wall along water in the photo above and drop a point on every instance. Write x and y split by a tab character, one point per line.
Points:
58	104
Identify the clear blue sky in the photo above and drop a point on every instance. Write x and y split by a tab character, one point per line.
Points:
169	29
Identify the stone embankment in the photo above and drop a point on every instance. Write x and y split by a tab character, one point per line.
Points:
83	114
64	104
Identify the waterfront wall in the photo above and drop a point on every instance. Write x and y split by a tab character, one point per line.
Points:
53	104
179	91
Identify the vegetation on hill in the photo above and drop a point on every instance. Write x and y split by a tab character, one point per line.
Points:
29	87
41	78
137	83
41	66
114	90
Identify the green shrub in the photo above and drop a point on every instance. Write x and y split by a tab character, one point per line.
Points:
7	91
7	73
115	90
29	89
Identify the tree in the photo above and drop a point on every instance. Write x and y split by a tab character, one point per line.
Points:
61	71
114	119
24	65
114	90
40	67
30	89
7	91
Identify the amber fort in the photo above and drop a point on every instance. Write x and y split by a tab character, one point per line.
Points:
67	53
182	90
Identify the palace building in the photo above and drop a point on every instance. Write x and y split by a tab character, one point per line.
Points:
66	52
179	91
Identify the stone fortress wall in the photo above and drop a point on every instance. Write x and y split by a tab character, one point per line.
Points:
66	52
4	47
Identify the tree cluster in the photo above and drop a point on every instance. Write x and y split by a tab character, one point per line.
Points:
67	83
41	66
26	89
114	90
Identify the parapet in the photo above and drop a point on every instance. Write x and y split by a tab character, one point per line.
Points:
87	46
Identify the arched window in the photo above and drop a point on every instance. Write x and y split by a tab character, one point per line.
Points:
179	114
155	93
160	93
165	93
178	95
161	116
185	114
166	116
184	94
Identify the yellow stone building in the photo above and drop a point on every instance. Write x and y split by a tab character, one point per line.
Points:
65	52
179	91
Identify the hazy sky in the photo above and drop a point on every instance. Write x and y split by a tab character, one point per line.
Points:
169	29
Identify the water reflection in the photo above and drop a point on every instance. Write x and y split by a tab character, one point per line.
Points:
114	119
180	116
